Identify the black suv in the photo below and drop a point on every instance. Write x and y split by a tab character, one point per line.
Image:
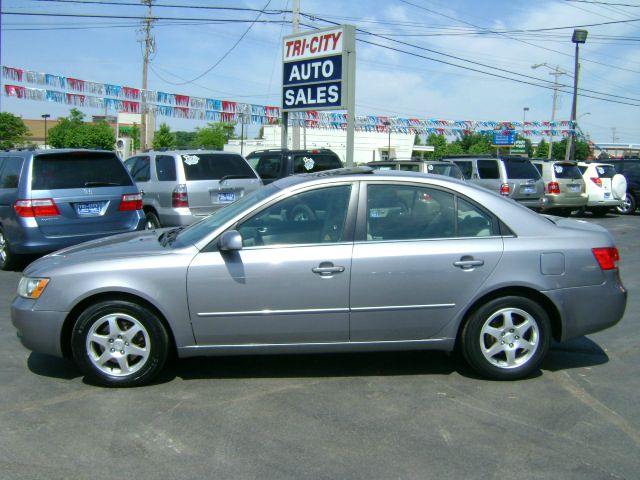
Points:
630	168
273	164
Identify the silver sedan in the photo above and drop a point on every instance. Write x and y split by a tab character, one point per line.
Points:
340	261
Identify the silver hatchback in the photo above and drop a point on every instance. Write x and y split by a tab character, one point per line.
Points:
338	261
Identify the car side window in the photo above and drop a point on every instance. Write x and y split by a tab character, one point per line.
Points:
409	212
11	168
140	169
409	167
466	167
166	168
267	166
488	169
312	217
474	222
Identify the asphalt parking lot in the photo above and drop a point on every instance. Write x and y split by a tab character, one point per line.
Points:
414	415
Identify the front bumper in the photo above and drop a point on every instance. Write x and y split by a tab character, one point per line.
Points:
39	331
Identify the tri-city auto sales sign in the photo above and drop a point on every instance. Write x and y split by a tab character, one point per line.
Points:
314	70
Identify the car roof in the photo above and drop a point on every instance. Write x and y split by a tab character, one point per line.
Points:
53	151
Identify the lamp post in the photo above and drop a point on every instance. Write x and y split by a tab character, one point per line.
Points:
556	73
579	36
388	124
524	117
45	116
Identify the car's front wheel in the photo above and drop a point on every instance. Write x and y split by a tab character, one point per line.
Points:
118	343
506	338
628	206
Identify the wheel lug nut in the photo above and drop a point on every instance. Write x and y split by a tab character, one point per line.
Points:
122	352
113	349
509	331
120	336
127	343
511	345
517	337
502	342
111	340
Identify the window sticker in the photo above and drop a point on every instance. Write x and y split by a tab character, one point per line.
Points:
600	170
430	167
558	168
190	159
308	163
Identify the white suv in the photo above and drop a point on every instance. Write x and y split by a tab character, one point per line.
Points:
606	188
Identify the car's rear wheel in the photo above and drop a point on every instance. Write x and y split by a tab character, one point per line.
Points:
152	221
628	206
506	338
117	343
8	259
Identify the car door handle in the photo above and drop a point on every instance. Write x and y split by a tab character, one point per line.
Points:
326	269
468	262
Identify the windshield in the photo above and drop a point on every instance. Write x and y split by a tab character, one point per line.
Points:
197	231
214	166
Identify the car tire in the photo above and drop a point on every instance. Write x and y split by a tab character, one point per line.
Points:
118	343
628	206
506	338
152	221
8	259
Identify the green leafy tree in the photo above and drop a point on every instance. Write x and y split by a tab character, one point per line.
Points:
12	130
72	132
454	149
542	149
185	139
163	138
583	150
214	135
440	145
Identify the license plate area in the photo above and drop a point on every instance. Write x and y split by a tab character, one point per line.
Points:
90	209
574	188
528	189
226	197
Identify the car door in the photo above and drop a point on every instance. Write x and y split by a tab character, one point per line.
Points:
289	283
421	254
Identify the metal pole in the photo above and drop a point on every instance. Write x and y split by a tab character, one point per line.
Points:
570	152
241	134
295	128
145	66
45	116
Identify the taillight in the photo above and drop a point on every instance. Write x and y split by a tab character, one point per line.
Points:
553	188
44	207
504	189
607	257
179	197
597	181
131	201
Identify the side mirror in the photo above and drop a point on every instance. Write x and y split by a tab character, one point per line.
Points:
230	240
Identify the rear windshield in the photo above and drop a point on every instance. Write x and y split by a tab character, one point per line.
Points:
214	166
312	162
383	166
605	171
569	171
448	170
520	168
78	170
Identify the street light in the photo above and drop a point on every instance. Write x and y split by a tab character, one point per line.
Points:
556	72
388	124
579	36
45	116
524	117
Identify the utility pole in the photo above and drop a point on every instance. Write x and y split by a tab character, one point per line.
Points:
295	132
613	135
148	49
556	72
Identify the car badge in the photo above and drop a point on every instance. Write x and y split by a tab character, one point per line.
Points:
87	191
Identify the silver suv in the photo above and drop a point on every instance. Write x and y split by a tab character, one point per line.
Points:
563	185
513	177
180	187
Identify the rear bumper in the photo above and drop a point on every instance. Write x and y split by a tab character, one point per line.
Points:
39	331
179	217
591	309
555	201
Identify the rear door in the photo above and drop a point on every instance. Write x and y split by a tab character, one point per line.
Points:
569	179
525	182
215	180
87	189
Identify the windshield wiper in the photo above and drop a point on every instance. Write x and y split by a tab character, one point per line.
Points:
169	236
101	184
227	177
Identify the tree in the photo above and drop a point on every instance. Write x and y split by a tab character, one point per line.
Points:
163	138
12	130
214	135
72	132
583	150
440	144
542	149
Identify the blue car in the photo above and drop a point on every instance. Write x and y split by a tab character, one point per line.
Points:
52	199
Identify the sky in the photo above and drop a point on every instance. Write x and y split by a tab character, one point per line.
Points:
443	59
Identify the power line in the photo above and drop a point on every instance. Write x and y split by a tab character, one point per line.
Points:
605	3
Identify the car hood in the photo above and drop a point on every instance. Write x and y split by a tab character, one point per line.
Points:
127	246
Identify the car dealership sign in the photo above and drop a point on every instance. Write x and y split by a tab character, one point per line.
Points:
316	70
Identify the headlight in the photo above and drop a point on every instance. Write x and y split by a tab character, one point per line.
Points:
32	287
